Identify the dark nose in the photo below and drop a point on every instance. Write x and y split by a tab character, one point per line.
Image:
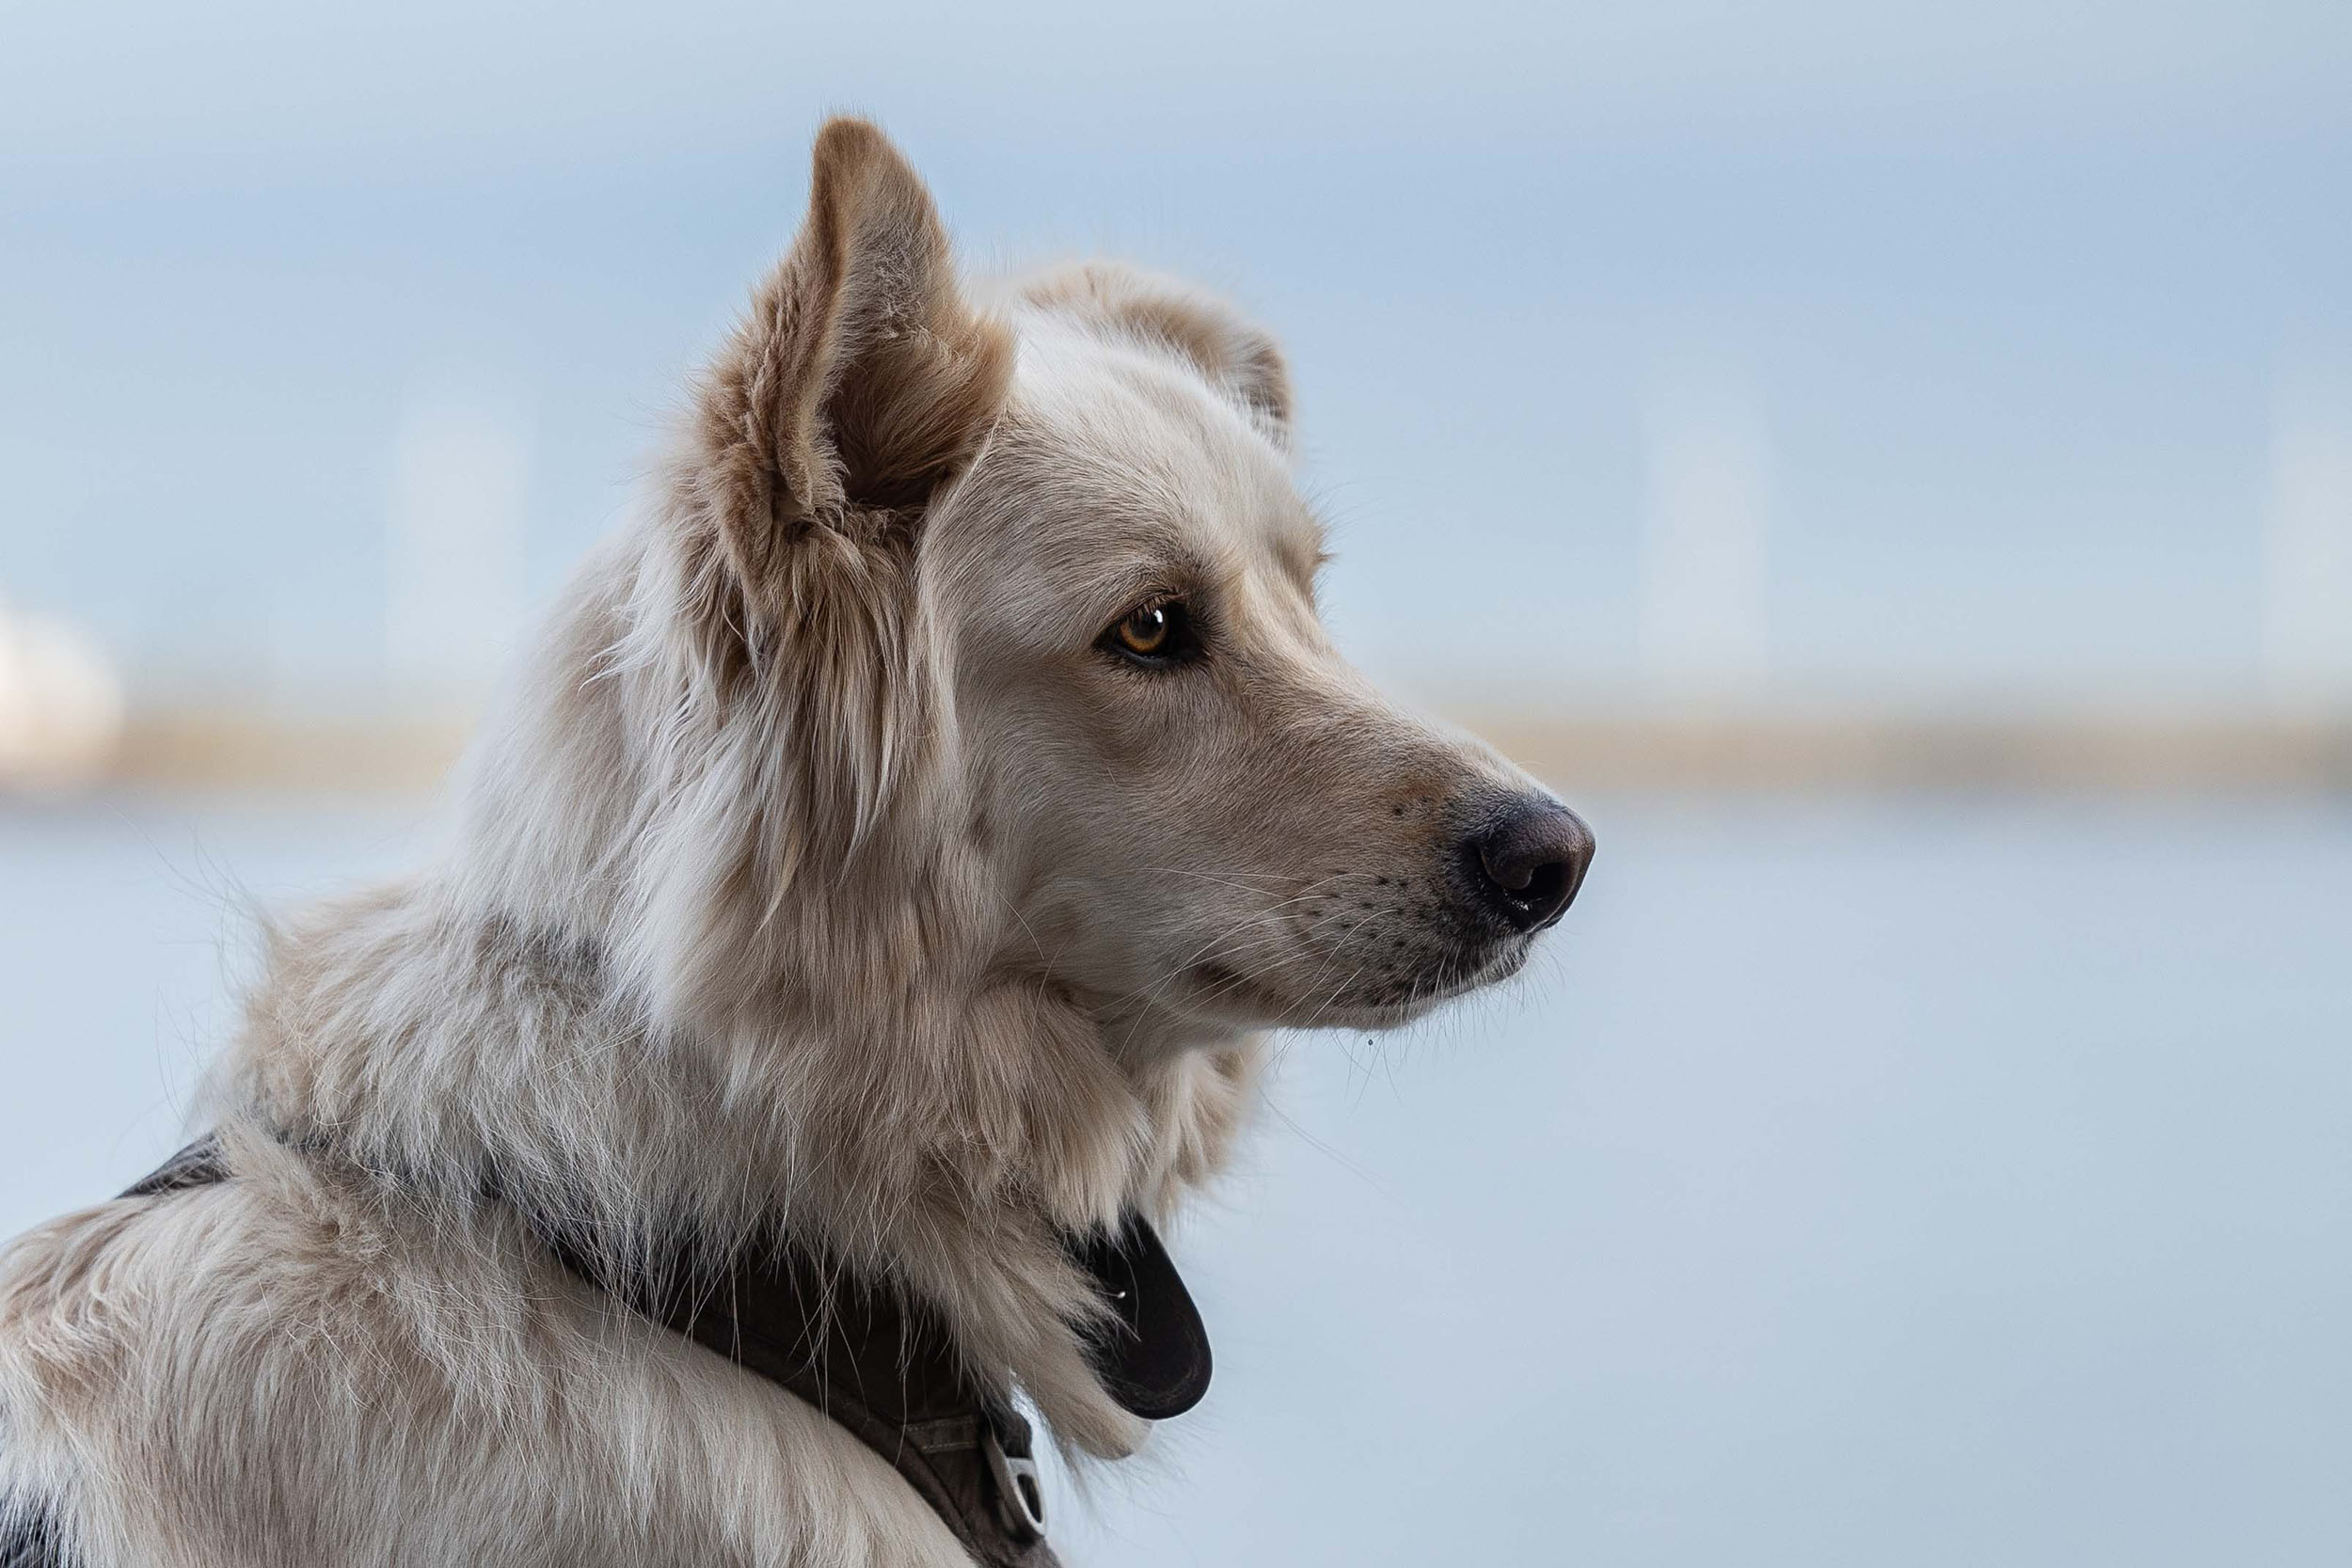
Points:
1530	863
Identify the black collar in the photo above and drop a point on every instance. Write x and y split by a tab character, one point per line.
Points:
884	1366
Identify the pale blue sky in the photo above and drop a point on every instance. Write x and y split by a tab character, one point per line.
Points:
2011	292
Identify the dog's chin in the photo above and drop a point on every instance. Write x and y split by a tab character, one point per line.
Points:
1231	997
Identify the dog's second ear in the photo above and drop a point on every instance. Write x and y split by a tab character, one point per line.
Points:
860	380
1238	358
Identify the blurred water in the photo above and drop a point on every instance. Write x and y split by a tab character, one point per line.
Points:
1940	1183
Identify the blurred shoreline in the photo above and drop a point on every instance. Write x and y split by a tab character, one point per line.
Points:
2090	749
1611	747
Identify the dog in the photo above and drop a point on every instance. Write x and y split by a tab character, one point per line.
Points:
891	852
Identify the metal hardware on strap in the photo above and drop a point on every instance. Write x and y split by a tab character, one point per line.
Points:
1019	1493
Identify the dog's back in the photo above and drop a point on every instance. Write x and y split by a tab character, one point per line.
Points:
286	1368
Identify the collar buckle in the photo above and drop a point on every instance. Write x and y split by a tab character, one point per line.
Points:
1020	1491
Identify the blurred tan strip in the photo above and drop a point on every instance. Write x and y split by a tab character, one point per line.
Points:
2089	753
1615	751
389	754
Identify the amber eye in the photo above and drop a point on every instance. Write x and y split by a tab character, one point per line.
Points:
1145	631
1155	634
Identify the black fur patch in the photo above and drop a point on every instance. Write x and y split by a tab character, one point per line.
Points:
32	1537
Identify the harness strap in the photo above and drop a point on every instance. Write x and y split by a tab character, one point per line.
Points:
881	1368
199	1165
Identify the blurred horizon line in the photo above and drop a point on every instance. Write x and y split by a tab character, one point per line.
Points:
1626	741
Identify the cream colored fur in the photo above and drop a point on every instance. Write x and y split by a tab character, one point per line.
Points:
819	871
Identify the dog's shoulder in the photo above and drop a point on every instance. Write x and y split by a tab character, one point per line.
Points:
284	1357
80	1298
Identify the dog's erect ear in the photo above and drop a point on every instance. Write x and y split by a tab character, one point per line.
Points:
861	379
1236	355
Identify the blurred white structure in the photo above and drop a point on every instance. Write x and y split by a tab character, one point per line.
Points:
2307	556
1708	475
60	704
453	557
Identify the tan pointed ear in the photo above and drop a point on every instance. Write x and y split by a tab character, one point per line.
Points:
860	380
1239	358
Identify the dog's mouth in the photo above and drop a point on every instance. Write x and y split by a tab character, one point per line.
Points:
1401	1001
1362	1000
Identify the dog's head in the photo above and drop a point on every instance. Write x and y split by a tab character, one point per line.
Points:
1025	598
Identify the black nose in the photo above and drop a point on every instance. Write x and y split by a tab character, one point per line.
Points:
1530	863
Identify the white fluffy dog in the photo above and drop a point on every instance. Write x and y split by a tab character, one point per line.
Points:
884	860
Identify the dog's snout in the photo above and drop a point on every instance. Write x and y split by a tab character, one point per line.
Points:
1529	863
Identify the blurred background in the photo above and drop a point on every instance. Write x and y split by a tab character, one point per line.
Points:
1892	466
